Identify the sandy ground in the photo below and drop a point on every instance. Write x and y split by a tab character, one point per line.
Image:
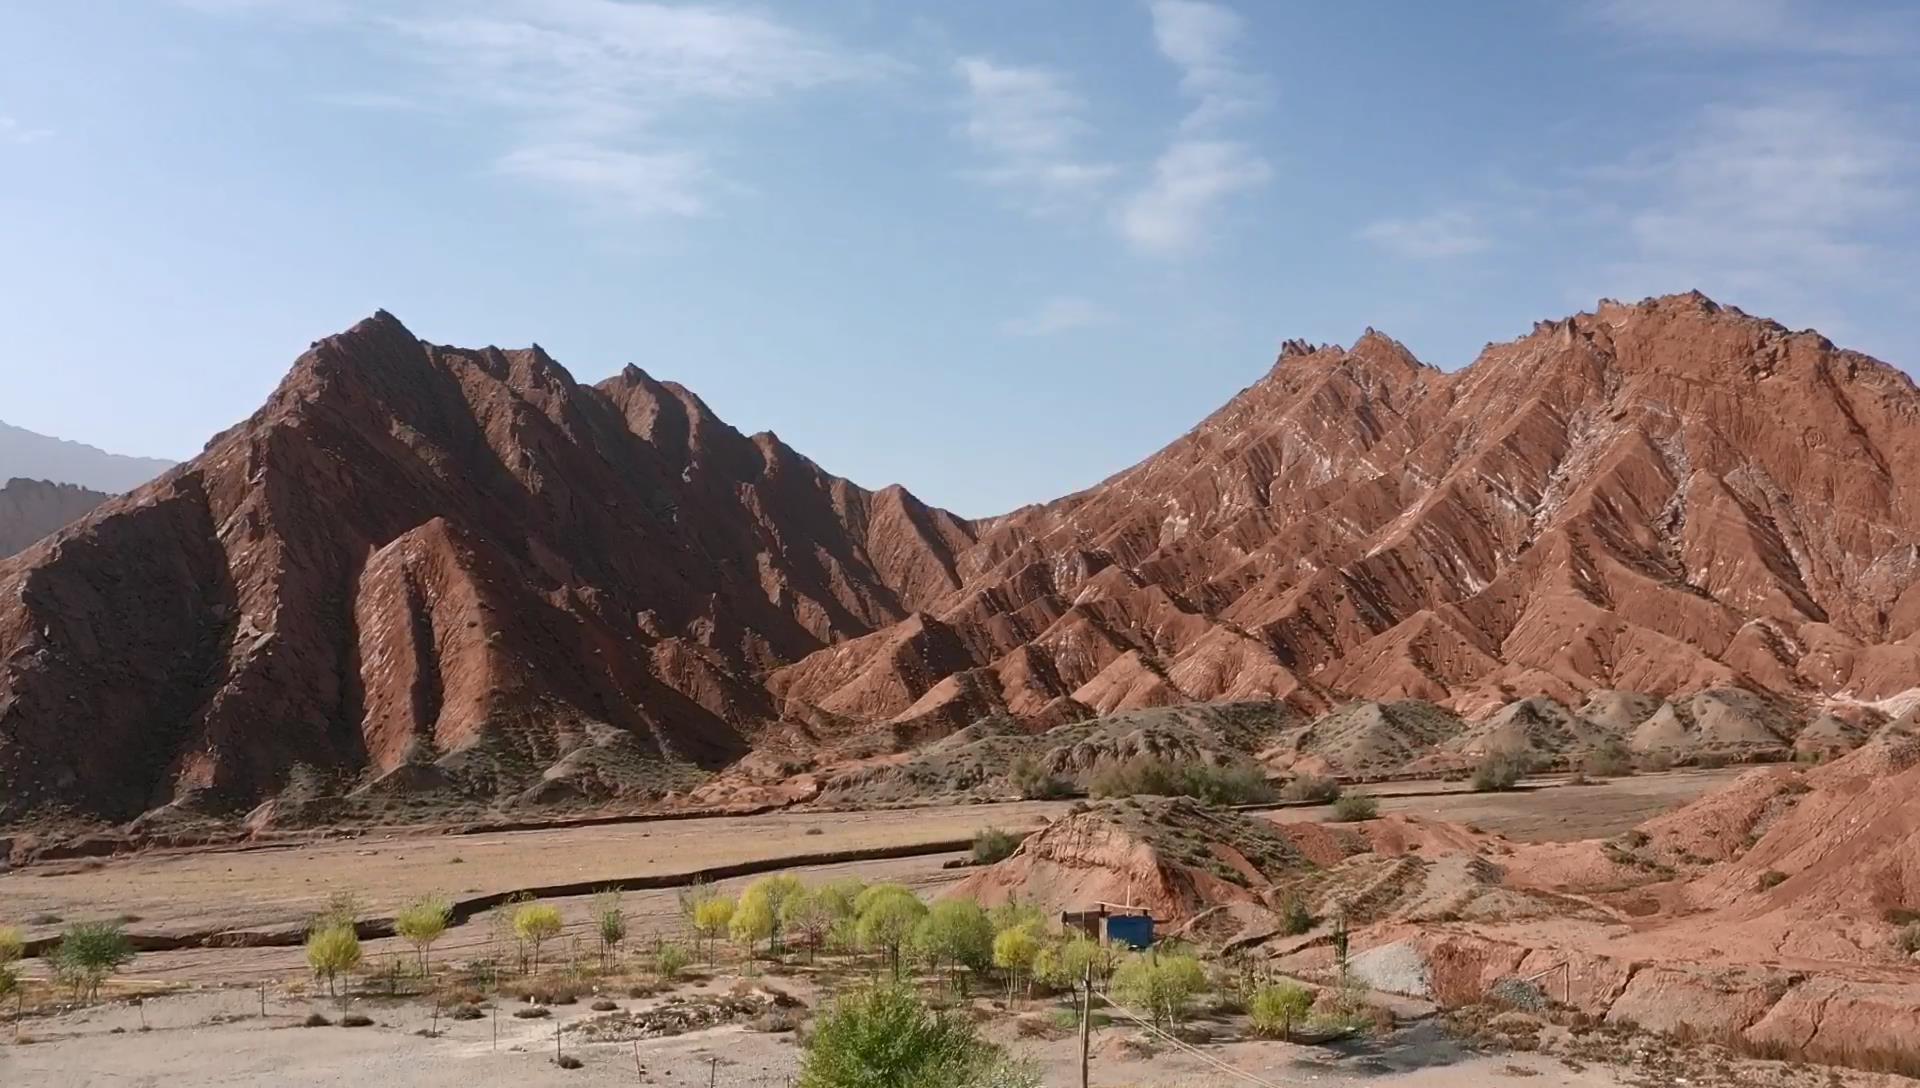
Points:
219	1038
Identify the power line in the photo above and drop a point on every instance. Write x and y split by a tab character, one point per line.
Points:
1217	1063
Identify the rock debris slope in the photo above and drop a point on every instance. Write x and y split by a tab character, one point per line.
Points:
467	567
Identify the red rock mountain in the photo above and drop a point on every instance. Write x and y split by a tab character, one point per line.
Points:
465	566
31	509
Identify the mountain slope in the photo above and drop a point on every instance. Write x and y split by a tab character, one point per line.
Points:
31	456
427	567
30	509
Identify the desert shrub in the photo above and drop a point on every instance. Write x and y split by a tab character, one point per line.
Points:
1162	985
1712	760
886	1037
1908	939
1772	878
1499	771
315	1020
1295	918
533	1012
12	946
992	844
1610	760
90	951
422	922
1234	784
568	1061
670	959
356	1020
1274	1010
1655	761
467	1012
1033	782
536	924
1310	787
331	953
1353	807
604	1005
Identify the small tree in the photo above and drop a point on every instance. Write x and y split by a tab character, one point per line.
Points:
1163	984
1014	951
669	960
766	897
333	951
889	921
1081	952
813	914
423	922
536	924
712	918
955	934
610	922
753	922
1274	1010
89	952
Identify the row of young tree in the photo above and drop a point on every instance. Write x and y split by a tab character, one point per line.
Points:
87	954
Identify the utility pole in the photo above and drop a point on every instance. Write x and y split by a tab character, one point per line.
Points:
1086	1025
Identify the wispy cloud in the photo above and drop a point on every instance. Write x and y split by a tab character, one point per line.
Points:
1785	26
1027	122
603	99
1174	214
1201	39
1782	199
1451	232
14	131
1063	313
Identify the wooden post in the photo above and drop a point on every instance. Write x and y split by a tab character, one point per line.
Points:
639	1071
556	1042
713	1072
1086	1025
496	1025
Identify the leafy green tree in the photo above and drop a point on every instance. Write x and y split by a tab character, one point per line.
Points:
885	1037
669	960
813	914
422	922
610	924
1163	984
888	922
712	918
1014	951
536	924
1014	913
1081	952
333	951
955	935
753	921
772	894
90	951
1274	1010
872	892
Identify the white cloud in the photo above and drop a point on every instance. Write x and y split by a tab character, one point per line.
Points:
1781	199
1027	123
607	100
13	131
1787	26
1449	233
1174	213
1063	313
1200	39
662	183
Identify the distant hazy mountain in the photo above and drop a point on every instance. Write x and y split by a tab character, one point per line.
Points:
31	456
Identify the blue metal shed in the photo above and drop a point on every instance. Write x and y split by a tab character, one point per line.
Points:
1133	930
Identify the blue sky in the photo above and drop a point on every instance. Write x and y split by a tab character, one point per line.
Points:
992	250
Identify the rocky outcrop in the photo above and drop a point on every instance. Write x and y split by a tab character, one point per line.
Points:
419	556
31	509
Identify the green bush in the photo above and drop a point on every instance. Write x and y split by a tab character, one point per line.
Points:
90	951
1275	1010
670	959
1161	985
1295	918
955	933
332	952
992	844
422	922
1354	807
886	1037
1234	784
1499	771
1311	787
